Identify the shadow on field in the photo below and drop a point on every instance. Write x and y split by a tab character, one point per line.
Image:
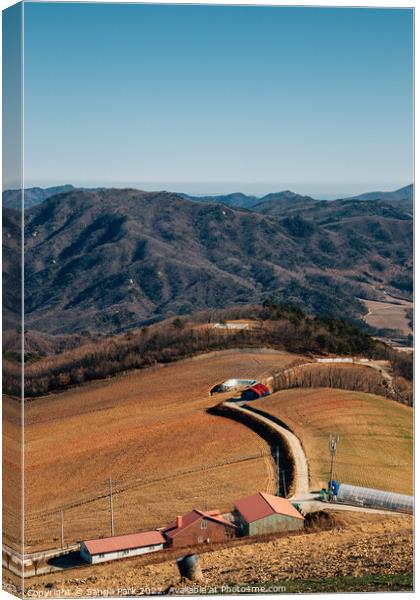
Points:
67	561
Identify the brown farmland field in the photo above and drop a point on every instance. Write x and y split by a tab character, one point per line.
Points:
149	431
389	315
376	435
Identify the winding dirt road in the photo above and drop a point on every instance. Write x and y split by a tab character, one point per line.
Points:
301	475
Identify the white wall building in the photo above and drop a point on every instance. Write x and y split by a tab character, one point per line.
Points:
121	546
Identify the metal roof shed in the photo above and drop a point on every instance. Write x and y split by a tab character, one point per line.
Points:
264	513
121	546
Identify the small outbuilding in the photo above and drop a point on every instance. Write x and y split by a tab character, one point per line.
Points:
259	390
231	385
264	513
198	527
231	325
121	546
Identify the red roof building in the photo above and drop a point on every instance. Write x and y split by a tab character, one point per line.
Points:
197	527
120	546
259	390
264	513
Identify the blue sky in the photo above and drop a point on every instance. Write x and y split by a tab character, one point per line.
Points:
212	99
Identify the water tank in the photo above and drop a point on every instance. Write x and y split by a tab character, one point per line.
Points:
360	496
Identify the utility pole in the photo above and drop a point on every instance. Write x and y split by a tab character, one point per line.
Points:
334	439
284	483
62	527
111	508
278	470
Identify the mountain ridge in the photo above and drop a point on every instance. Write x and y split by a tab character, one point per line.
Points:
36	195
113	259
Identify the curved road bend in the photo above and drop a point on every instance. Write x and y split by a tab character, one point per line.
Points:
301	478
308	500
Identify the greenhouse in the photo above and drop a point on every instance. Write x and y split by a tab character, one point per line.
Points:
231	385
351	494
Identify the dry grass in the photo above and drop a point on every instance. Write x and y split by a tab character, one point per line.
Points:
149	431
12	470
389	315
376	435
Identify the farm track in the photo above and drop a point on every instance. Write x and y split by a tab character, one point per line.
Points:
301	474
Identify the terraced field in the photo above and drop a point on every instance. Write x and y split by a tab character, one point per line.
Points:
149	431
376	435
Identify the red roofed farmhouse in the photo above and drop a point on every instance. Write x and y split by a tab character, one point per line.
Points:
264	513
197	527
121	546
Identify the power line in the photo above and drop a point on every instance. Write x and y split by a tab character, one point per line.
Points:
126	485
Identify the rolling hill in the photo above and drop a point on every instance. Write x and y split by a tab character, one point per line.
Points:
287	199
404	193
402	198
33	196
112	259
376	435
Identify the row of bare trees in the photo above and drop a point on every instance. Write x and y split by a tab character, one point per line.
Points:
344	376
166	342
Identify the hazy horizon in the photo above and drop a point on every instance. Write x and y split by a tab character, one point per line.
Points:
326	192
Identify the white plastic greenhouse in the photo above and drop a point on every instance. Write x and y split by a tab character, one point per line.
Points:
231	385
360	496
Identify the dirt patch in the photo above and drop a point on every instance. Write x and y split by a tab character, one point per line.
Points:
320	520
